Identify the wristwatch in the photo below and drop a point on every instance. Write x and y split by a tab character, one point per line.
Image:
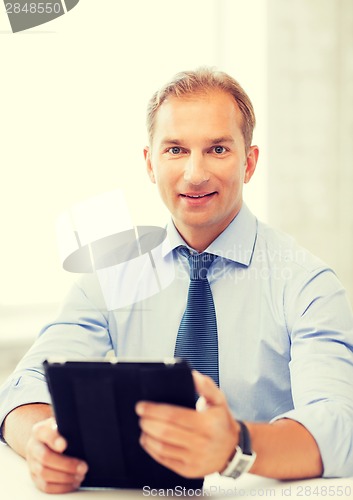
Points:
243	457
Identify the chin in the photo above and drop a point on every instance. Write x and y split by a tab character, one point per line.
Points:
198	223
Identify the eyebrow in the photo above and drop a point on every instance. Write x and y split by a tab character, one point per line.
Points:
217	140
224	138
167	142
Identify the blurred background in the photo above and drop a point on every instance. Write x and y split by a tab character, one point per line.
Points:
73	99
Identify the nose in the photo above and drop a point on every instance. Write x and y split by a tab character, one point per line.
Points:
195	172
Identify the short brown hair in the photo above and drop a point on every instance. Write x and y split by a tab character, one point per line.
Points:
200	81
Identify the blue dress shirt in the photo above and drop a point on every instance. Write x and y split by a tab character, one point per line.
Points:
285	330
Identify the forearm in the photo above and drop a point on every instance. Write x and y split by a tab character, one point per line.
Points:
285	450
18	424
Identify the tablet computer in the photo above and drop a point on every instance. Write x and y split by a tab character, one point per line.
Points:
94	406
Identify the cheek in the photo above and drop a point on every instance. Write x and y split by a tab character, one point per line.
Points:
165	176
232	179
162	182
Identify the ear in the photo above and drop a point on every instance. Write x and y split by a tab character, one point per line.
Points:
147	155
251	161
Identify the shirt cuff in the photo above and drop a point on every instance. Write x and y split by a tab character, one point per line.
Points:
331	427
22	390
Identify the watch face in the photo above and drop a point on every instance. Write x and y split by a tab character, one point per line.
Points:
240	464
243	457
243	466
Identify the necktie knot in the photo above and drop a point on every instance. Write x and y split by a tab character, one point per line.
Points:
199	263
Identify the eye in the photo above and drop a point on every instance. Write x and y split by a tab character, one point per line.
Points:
175	150
219	150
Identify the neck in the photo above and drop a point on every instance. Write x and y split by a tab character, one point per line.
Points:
200	236
198	239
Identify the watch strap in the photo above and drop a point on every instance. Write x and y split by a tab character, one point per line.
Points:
243	457
244	439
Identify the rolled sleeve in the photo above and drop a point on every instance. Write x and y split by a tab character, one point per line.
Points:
321	369
81	331
331	427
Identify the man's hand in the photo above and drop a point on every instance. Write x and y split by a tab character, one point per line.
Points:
51	471
191	443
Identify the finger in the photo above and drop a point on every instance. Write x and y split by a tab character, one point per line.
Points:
55	488
175	464
162	453
46	446
54	476
177	415
168	434
161	449
38	452
55	480
207	389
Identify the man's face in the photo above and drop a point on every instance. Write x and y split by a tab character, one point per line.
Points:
198	161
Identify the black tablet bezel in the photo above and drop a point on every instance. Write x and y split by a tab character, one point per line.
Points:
94	406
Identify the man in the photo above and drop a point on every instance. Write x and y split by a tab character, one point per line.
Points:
284	326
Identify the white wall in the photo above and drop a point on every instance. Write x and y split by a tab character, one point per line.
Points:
74	93
310	127
73	97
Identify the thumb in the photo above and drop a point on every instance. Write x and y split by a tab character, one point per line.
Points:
207	390
46	431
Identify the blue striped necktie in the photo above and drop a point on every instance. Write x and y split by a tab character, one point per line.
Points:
197	339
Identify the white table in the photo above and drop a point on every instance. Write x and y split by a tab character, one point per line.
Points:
16	484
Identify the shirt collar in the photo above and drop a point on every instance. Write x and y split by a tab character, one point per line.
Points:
235	243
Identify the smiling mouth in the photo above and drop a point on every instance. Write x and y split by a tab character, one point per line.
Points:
195	196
